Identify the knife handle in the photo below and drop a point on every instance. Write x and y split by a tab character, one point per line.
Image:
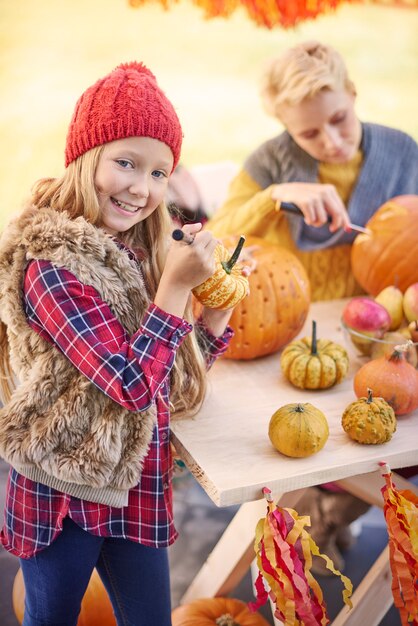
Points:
290	207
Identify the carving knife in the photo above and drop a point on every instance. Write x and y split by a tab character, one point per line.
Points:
289	207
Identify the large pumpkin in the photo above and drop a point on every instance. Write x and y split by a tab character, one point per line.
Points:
276	308
96	608
387	256
216	612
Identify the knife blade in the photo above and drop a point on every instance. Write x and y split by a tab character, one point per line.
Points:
290	207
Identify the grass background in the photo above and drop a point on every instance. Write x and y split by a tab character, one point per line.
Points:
51	50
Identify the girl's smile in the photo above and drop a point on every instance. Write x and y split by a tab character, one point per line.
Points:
123	206
131	181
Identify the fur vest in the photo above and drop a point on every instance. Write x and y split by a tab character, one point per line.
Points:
59	429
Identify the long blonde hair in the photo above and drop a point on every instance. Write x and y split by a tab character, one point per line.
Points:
75	193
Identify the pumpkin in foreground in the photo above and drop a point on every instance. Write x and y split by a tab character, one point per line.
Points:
369	420
96	608
228	285
387	256
278	303
312	363
298	430
216	612
392	378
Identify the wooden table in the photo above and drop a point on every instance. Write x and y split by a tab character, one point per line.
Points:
227	449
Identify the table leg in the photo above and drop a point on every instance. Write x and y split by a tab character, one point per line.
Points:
373	597
231	558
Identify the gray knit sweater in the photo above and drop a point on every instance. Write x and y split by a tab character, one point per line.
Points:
390	168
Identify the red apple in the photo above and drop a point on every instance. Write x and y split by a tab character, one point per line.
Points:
410	302
368	318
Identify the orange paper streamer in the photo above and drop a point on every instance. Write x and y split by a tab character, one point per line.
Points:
284	552
271	13
401	514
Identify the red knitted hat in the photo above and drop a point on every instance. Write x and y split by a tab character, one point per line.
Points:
125	103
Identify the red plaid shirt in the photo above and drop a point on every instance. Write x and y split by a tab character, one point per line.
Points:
134	372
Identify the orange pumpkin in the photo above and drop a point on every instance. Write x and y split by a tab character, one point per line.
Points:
96	608
278	303
388	255
392	378
216	611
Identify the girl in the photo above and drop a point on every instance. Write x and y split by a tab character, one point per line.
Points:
94	306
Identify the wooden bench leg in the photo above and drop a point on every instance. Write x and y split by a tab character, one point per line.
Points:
367	486
231	558
373	597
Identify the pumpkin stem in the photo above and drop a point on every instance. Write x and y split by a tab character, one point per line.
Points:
314	348
228	265
399	351
369	396
226	620
299	408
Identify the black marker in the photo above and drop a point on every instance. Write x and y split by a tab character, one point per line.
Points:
180	235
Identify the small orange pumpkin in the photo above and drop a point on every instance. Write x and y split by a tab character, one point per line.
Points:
277	305
216	612
392	378
228	285
387	255
96	608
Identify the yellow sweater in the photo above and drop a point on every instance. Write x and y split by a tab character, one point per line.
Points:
329	269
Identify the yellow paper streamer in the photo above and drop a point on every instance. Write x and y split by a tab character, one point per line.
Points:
401	514
284	552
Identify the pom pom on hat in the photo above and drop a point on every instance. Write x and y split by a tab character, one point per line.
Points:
126	103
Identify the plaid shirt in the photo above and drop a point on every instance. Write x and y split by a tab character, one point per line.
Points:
134	372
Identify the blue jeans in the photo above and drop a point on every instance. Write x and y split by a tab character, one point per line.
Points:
136	578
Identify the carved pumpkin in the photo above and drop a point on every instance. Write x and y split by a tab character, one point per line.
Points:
216	612
228	285
96	608
277	305
369	420
312	363
392	378
388	255
298	430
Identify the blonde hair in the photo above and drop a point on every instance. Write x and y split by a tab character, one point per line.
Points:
301	73
75	193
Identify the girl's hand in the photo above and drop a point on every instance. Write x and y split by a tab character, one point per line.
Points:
316	201
187	265
190	264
